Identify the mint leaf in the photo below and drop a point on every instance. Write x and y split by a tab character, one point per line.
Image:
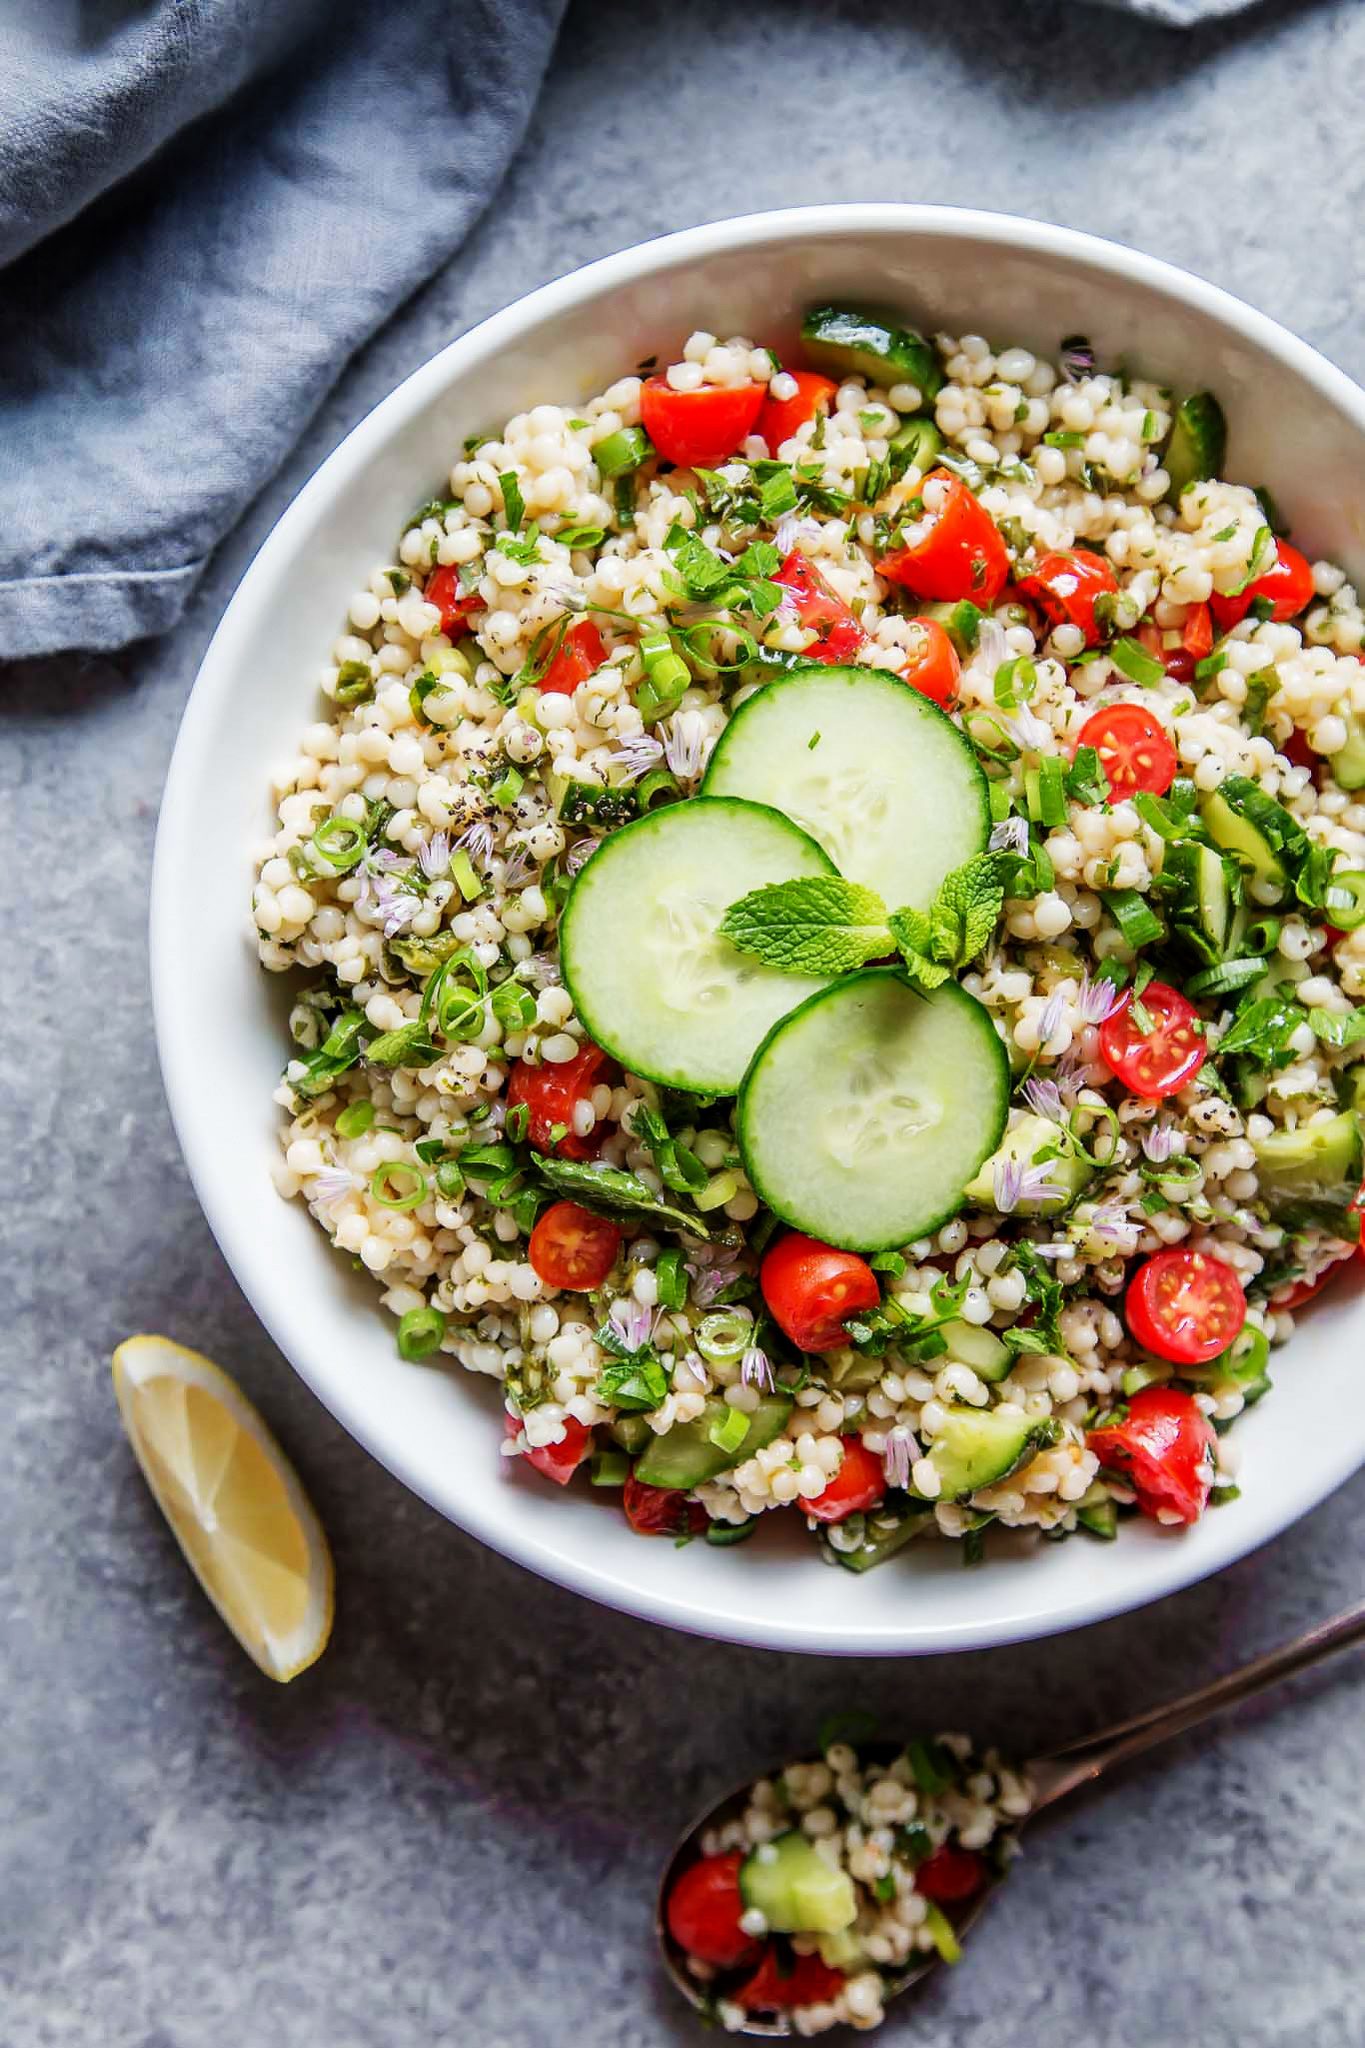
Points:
818	925
1338	1027
913	933
1261	1030
959	923
613	1189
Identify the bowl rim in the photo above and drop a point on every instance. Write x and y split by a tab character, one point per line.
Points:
1173	1566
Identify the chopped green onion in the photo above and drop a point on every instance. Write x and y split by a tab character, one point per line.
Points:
1158	815
355	1119
1044	874
340	843
1134	916
355	683
462	872
619	453
514	505
1211	665
1047	786
1064	439
1262	936
580	536
429	1150
1226	977
1015	682
508	788
888	1262
513	1006
1344	900
656	789
624	501
1132	658
666	675
721	1188
1001	802
396	1185
609	1468
420	1333
724	1335
670	1280
495	1158
449	1179
730	1431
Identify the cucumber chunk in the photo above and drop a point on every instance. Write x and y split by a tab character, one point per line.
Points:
918	442
638	948
1236	834
851	342
1320	1161
976	1447
685	1456
868	767
789	1882
866	1112
1202	910
883	1532
1198	445
1348	766
1030	1137
1097	1512
971	1344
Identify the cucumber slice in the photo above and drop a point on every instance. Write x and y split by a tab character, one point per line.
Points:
1348	766
789	1882
1202	909
851	342
918	442
638	947
971	1344
1198	444
684	1456
1096	1512
976	1447
866	1112
1031	1136
868	767
1236	834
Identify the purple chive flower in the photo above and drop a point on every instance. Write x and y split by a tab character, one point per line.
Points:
1077	358
332	1186
899	1455
433	857
519	868
477	842
1157	1143
1110	1220
631	1323
396	904
540	971
1095	1000
711	1273
580	853
685	744
1010	836
1027	729
1016	1183
1045	1098
755	1369
1055	1251
793	532
1050	1020
636	756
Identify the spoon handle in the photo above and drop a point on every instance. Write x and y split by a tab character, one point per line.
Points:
1060	1771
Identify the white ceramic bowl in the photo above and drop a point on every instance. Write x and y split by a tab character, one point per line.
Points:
1296	424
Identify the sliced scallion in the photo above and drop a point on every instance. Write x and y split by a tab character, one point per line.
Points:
725	1335
622	451
340	844
1137	921
670	1280
355	683
666	675
355	1119
1344	900
420	1332
729	1432
449	1180
396	1185
1227	976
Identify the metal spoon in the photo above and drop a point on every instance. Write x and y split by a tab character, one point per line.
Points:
1053	1776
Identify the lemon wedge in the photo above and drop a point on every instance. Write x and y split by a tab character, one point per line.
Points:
232	1499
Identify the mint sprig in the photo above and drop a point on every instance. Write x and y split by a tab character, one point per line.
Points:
822	924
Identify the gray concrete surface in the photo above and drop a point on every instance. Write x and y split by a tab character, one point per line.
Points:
447	1833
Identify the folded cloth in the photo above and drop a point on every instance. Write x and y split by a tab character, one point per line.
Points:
205	207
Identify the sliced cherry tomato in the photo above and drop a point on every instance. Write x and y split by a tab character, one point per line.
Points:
1161	1061
781	417
1196	635
579	655
570	1247
661	1510
456	607
1288	583
1186	1306
703	1912
551	1093
556	1461
950	1875
808	1981
811	1289
931	666
1193	642
859	1483
701	428
1134	748
1065	585
1297	750
1164	1449
957	550
819	610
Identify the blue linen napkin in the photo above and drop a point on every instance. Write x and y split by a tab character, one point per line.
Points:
205	207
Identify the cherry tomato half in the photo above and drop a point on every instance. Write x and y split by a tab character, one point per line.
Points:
570	1247
1186	1306
859	1483
556	1461
956	550
781	417
950	1875
699	428
1164	1449
551	1094
703	1912
811	1289
807	1982
579	655
1064	586
1134	748
1158	1062
819	610
931	666
456	607
1288	583
661	1510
